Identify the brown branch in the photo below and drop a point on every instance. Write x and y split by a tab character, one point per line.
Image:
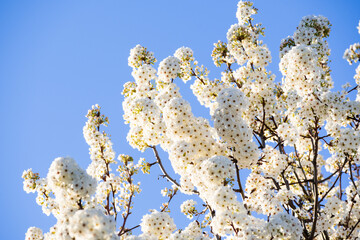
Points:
128	206
232	75
241	190
239	182
79	204
122	229
328	177
299	182
113	202
333	185
340	185
158	160
128	230
301	167
351	176
261	133
315	147
194	74
162	167
354	88
212	216
236	230
107	206
151	164
352	230
168	202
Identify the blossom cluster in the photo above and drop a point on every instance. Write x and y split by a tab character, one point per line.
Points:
86	203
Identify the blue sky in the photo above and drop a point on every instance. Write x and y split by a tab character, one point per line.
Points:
60	57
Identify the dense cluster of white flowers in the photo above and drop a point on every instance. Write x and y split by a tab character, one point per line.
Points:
69	182
157	224
232	129
192	231
298	139
284	226
34	233
273	162
92	224
185	55
169	68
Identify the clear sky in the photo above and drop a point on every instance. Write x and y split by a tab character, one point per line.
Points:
57	58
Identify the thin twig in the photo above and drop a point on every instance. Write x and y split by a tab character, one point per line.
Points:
158	160
168	202
122	229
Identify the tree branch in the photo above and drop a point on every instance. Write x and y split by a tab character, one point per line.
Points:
158	160
315	147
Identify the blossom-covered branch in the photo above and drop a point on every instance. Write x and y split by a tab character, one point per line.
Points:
298	139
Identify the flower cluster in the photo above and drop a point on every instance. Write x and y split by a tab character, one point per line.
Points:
244	11
92	224
69	182
192	231
221	54
157	224
232	129
284	226
140	55
34	233
30	179
186	56
261	197
218	169
188	208
101	152
169	68
273	162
